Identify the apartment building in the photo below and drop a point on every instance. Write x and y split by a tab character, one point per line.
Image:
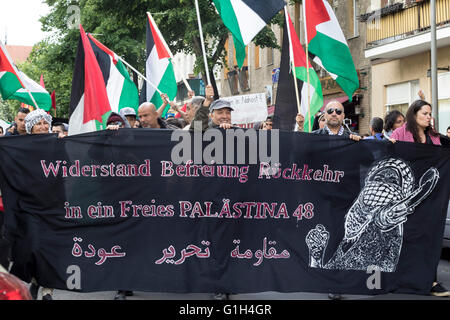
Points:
398	46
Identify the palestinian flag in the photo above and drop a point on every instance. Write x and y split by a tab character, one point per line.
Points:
121	90
40	95
16	85
159	67
311	90
9	75
245	19
89	103
327	44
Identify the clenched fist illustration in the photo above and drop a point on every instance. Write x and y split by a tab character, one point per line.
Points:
317	241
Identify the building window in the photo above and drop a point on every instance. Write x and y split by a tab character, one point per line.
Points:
353	21
243	79
444	102
233	81
399	96
444	115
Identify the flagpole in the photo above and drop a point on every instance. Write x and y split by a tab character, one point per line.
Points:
307	69
32	98
140	74
296	87
170	52
205	61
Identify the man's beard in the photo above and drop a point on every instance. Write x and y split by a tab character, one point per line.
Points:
335	124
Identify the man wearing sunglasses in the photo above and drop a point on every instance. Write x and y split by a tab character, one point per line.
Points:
334	118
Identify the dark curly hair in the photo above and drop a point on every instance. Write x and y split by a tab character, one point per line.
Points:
411	123
390	119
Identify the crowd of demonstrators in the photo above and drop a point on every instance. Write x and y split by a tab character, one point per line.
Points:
415	127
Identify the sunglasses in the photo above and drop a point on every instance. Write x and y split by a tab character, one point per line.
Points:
338	111
116	123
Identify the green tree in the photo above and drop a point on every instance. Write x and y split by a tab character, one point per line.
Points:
8	109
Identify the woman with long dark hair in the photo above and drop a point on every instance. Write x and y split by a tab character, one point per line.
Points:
418	129
418	126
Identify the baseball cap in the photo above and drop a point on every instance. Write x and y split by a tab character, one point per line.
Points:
128	111
220	104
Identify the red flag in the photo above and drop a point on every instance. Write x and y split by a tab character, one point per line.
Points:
53	96
178	115
41	82
96	101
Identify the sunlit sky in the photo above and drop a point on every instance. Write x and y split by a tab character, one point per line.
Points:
19	19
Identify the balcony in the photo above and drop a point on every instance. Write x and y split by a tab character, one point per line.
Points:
395	31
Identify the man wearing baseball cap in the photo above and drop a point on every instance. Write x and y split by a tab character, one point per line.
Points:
219	111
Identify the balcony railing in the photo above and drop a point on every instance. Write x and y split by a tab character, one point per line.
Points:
403	22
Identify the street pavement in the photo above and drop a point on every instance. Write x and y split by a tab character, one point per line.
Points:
443	277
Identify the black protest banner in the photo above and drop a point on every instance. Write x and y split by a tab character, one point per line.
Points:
113	210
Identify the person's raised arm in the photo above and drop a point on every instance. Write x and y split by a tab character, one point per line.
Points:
165	100
203	112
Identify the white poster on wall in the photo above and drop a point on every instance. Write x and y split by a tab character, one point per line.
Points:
249	108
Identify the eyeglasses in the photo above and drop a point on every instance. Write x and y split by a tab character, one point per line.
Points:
338	111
